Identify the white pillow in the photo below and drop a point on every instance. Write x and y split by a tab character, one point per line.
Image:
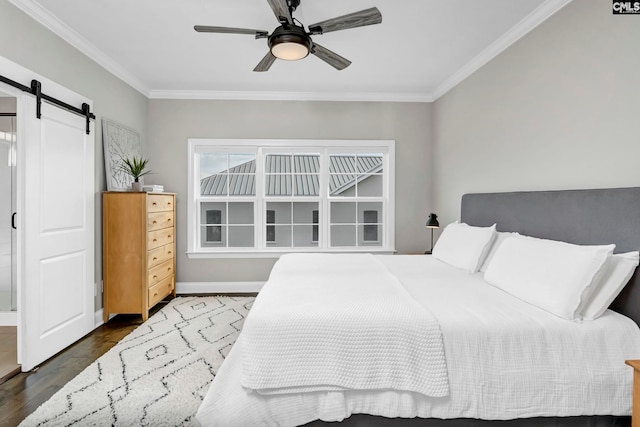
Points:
464	246
500	236
616	274
549	274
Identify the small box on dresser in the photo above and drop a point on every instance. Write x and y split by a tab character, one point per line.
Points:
138	251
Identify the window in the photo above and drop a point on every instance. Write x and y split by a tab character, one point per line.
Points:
258	197
271	229
214	232
370	232
314	227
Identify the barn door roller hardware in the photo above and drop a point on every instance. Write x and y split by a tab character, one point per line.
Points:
36	90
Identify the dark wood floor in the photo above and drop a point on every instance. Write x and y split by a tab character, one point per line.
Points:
24	393
8	353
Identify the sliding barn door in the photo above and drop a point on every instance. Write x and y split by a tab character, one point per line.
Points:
57	274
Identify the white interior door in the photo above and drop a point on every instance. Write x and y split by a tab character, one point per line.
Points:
56	271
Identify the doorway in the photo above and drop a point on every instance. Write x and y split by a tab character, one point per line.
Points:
8	280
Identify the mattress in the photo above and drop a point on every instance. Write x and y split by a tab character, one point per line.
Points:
506	359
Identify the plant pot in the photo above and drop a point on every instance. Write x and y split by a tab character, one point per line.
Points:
136	186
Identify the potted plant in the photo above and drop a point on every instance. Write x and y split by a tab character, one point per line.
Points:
135	166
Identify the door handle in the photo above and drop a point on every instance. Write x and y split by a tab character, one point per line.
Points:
13	221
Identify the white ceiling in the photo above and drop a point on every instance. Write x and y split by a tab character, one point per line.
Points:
421	50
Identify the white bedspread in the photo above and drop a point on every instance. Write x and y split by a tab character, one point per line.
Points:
340	322
506	359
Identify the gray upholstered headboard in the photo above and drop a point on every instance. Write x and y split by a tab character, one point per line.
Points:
586	217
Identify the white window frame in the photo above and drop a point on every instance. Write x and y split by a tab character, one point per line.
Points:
262	147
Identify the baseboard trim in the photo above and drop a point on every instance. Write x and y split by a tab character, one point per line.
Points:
217	287
9	318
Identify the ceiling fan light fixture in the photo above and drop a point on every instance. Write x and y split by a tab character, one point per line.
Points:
292	44
290	51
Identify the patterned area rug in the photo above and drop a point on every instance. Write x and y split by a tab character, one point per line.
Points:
158	374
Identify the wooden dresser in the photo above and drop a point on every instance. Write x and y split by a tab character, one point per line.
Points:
635	418
138	251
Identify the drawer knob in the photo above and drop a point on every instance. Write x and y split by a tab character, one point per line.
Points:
155	277
168	268
154	204
155	240
169	252
155	258
155	222
155	294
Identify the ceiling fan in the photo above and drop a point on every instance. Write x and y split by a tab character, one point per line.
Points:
290	41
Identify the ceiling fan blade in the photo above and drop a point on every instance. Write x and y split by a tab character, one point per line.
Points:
229	30
281	10
331	58
266	62
352	20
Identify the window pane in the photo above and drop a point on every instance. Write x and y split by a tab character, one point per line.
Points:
316	229
217	234
278	163
219	171
369	232
213	232
242	185
367	210
271	230
343	213
282	236
242	163
342	163
241	213
343	235
214	185
282	212
306	185
207	209
241	237
369	163
370	186
306	163
213	163
278	185
370	235
303	212
342	185
303	236
342	177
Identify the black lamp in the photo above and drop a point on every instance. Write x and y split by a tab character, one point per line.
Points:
432	222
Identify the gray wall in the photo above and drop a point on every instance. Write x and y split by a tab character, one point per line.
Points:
27	43
171	122
557	110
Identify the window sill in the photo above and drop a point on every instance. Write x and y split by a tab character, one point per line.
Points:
278	253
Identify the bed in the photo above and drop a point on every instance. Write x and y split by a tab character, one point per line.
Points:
575	378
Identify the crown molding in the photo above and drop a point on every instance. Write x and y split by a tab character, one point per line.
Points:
535	18
290	96
42	16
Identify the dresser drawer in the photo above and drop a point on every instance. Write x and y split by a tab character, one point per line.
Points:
158	255
159	238
160	272
161	290
159	202
159	220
